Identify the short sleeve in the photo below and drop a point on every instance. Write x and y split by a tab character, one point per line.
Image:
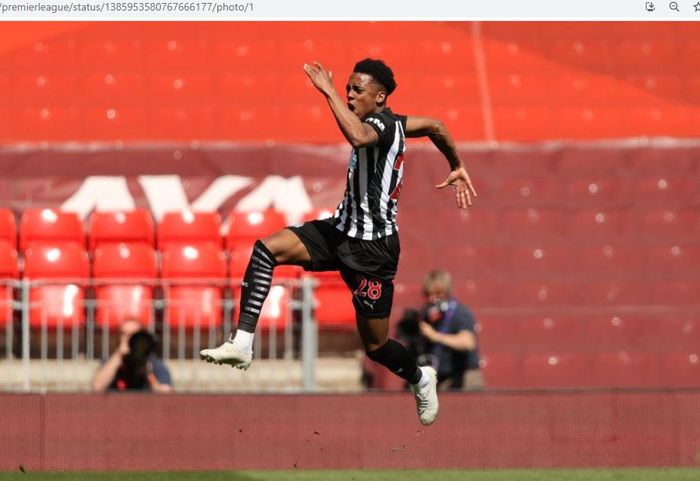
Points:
463	320
378	123
403	119
161	372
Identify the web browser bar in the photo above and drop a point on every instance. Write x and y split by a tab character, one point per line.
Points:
227	10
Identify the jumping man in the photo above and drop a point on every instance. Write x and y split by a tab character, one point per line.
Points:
361	240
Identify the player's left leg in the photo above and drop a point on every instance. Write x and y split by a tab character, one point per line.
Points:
394	356
283	247
373	298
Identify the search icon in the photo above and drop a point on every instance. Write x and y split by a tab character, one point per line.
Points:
673	6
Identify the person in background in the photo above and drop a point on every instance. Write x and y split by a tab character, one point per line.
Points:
442	334
134	365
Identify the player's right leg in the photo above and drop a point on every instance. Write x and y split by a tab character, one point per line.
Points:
283	247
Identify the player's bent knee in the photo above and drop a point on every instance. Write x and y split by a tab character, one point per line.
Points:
376	351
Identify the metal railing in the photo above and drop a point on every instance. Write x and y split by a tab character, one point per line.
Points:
56	340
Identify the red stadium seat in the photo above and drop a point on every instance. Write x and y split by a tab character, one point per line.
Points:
61	302
194	276
114	54
333	302
674	293
124	275
42	89
596	191
8	227
111	87
674	225
557	370
625	369
482	292
615	293
676	333
603	225
525	192
482	224
534	223
9	272
608	261
499	334
539	262
189	227
118	227
176	122
667	191
554	333
179	88
680	369
673	261
543	293
49	226
246	227
618	332
502	370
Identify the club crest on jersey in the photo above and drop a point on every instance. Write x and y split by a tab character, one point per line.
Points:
353	160
377	122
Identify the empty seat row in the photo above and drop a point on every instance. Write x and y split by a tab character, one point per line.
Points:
52	225
615	369
590	333
125	278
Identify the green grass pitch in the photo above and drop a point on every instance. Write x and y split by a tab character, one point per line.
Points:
674	474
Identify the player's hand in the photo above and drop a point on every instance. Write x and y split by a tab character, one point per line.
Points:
321	79
464	190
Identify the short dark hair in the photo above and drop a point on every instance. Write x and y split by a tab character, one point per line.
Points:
379	71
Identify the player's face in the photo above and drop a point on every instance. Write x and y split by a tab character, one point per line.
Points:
363	94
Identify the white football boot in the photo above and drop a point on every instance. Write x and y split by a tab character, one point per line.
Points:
426	397
228	353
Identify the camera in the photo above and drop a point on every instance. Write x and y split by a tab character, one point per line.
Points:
142	345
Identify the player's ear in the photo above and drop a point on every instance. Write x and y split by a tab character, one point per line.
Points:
381	97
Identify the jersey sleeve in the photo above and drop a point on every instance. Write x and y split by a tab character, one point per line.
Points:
403	119
380	125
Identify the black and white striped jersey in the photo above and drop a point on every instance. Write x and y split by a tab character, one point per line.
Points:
368	209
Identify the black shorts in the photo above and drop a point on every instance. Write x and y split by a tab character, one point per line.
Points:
367	267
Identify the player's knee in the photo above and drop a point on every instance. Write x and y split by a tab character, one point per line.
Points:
264	250
377	352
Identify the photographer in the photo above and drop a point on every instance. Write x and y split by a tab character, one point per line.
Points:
442	334
134	365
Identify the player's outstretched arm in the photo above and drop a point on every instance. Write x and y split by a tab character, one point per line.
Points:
438	134
358	133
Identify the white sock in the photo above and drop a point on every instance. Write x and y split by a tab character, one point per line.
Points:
424	380
244	340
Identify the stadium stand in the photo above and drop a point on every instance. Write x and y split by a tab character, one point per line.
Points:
60	302
9	272
125	276
49	226
245	227
134	226
189	227
565	237
8	227
193	291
